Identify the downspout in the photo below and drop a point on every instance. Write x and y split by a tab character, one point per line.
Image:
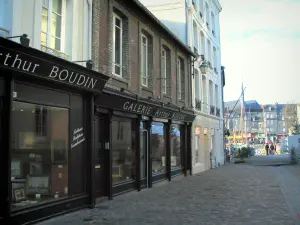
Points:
89	3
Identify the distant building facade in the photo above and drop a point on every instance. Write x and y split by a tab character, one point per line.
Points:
271	120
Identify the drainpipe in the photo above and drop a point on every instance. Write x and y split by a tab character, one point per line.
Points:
89	3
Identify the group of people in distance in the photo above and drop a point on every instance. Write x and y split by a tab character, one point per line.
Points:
270	149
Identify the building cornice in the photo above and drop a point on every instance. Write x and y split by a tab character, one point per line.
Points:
217	4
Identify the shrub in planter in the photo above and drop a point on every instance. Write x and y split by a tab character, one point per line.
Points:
245	152
239	161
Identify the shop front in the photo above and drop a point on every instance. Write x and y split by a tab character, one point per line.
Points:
46	109
145	141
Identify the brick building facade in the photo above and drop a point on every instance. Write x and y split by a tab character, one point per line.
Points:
145	113
135	23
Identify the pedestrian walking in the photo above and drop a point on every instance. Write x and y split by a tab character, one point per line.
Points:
267	148
272	149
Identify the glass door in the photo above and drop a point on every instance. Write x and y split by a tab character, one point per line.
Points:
144	158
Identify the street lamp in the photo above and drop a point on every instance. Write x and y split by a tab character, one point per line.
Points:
204	65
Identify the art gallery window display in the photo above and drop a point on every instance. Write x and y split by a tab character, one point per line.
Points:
39	158
158	140
123	150
175	147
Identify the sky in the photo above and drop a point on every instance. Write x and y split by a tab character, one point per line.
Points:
260	46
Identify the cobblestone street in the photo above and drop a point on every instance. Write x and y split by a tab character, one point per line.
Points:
231	194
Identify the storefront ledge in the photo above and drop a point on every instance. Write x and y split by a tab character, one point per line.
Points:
160	183
158	177
49	209
176	172
123	187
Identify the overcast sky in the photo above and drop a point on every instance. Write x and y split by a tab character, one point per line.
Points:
260	44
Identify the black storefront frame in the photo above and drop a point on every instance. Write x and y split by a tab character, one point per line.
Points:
112	102
59	206
94	83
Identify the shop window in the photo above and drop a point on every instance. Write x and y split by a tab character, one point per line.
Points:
123	150
158	148
39	164
175	147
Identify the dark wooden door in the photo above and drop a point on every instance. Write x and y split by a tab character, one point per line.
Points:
100	167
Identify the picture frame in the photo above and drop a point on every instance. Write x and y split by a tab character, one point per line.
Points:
117	171
59	151
19	194
38	184
35	168
16	168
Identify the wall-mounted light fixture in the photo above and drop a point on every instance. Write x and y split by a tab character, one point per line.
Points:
204	65
24	40
89	63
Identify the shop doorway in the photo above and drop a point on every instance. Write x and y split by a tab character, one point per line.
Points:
101	156
144	158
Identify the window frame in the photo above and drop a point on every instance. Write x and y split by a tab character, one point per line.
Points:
116	16
164	73
179	92
142	60
49	25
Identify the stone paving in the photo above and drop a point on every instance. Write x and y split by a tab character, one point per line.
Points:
229	195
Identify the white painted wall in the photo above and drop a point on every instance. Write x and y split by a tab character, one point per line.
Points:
172	14
19	17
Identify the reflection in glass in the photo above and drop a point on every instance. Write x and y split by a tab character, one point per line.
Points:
158	148
175	147
39	166
123	151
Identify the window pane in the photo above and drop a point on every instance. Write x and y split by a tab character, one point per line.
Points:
144	64
158	148
117	22
144	80
56	6
39	167
44	20
43	39
46	3
56	25
163	75
175	147
144	40
123	151
117	69
55	43
117	45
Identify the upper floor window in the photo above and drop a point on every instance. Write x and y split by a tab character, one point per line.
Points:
117	45
164	70
51	31
201	7
180	78
213	23
207	13
197	85
195	32
144	60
